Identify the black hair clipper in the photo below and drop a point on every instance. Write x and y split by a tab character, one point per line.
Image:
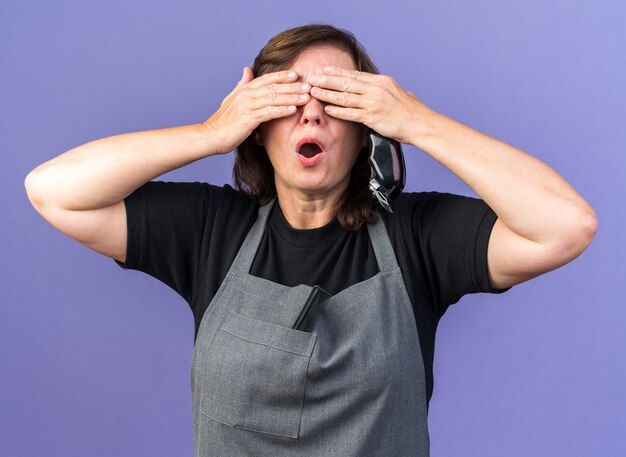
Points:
388	170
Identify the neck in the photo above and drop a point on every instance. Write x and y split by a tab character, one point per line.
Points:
308	211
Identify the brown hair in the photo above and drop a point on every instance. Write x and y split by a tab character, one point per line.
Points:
253	172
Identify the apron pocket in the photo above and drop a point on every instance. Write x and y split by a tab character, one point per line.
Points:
256	373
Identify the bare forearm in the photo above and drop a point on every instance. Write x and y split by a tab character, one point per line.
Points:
105	171
528	196
542	221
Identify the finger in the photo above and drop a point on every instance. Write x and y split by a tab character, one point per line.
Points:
277	99
339	83
334	70
347	114
285	88
275	77
246	76
243	77
339	98
269	112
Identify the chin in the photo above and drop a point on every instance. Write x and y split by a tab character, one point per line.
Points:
312	181
316	186
311	187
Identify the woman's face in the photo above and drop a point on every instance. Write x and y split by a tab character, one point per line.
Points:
311	152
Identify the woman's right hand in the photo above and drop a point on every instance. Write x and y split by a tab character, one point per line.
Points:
81	192
253	101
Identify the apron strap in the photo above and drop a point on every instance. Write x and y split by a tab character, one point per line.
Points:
385	256
248	250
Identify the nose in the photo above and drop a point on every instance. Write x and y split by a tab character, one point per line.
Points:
313	112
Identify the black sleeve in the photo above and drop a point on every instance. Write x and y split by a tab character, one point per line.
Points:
451	236
167	225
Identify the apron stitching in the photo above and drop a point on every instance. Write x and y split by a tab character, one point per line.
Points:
250	429
266	345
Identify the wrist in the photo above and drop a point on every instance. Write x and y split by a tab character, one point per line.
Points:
425	127
210	138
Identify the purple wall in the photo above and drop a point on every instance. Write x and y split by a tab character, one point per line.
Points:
94	361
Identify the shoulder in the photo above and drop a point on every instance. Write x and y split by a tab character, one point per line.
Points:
171	189
410	202
186	213
411	208
450	234
421	212
183	196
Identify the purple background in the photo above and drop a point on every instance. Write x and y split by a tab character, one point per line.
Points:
94	361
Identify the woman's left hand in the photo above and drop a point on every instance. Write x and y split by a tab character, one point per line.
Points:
376	101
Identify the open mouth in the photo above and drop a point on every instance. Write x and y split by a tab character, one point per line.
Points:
309	150
309	147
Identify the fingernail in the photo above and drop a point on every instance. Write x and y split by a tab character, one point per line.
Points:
291	74
329	69
314	79
305	86
304	96
316	91
330	109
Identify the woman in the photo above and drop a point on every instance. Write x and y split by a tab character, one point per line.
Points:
358	380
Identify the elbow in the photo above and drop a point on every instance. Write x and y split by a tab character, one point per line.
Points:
589	227
30	185
36	190
584	227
